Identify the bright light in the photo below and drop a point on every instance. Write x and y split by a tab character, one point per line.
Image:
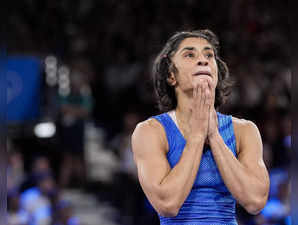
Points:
51	71
64	85
64	80
51	80
64	70
51	60
45	130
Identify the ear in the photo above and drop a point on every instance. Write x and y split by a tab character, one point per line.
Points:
171	79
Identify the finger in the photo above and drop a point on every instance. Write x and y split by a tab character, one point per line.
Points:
199	87
202	85
212	90
204	91
208	97
197	95
214	114
194	91
211	87
208	100
210	83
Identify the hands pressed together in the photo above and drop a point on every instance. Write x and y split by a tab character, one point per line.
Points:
203	121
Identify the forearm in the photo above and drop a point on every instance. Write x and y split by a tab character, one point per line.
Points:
247	187
177	184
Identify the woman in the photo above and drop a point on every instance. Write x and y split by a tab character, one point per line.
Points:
193	162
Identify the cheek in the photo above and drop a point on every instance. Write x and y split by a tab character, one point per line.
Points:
216	79
181	67
216	72
216	83
182	70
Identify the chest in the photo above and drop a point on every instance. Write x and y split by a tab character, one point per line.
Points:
208	175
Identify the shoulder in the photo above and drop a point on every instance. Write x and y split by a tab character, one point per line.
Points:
244	128
243	123
30	194
149	131
149	126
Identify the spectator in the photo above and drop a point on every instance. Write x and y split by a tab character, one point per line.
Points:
64	214
15	171
40	164
76	107
16	215
37	200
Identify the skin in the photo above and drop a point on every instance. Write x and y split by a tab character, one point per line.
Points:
166	187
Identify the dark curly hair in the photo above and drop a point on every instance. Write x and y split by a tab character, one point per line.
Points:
163	65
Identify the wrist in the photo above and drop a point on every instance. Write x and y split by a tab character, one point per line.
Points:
196	139
214	135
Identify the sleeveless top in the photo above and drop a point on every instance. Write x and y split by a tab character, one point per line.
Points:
209	201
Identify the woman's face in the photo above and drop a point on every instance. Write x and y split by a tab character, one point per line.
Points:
194	61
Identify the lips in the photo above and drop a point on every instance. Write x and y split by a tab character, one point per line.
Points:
202	73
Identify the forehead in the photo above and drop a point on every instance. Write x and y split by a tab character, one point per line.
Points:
195	42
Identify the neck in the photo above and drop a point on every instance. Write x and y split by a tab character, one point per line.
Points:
183	109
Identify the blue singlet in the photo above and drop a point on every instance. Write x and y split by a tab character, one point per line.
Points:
209	202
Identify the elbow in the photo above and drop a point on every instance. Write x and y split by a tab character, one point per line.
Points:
255	206
254	209
165	203
257	201
168	209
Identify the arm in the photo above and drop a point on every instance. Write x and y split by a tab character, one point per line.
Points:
246	177
166	187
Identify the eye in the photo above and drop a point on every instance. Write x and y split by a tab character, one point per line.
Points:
189	55
209	55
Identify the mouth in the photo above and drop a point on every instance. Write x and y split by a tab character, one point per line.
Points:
202	73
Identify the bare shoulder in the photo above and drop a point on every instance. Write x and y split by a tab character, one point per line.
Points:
243	129
148	132
148	127
242	125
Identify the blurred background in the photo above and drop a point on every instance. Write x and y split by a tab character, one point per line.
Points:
78	75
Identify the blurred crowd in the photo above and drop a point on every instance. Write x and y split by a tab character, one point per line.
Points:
105	49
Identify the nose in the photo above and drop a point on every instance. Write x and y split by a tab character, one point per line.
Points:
202	62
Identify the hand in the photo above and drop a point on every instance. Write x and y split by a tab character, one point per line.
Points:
213	122
198	123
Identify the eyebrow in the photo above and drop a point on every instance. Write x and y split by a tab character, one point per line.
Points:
193	48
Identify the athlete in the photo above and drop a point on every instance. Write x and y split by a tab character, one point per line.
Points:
193	162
